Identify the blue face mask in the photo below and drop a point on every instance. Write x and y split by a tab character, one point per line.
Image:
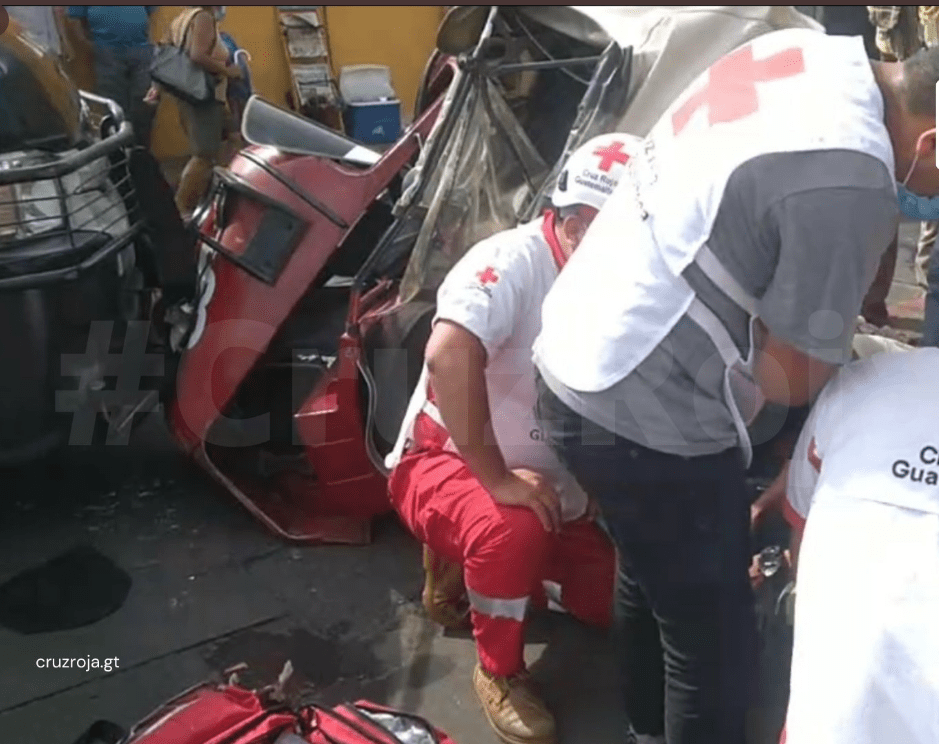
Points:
914	206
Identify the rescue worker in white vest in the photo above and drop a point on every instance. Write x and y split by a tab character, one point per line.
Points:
863	484
728	268
476	484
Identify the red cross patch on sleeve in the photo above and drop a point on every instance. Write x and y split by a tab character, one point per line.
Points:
487	276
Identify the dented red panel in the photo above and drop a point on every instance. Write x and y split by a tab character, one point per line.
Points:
239	315
244	313
330	423
290	507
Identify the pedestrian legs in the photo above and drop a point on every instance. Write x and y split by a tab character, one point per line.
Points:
123	75
111	78
203	127
140	114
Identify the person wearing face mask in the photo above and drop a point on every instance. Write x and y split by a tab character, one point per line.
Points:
926	209
929	25
196	31
930	335
504	524
727	270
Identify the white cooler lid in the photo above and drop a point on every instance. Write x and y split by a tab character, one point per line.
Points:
365	83
364	104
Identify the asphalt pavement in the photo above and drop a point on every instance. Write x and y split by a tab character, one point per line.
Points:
209	588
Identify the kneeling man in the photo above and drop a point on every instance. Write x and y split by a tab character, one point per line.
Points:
473	479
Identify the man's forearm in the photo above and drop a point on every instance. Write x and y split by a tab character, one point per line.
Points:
463	401
788	376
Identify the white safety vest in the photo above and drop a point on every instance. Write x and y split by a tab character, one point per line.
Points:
786	91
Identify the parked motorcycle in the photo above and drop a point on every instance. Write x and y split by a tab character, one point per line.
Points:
91	250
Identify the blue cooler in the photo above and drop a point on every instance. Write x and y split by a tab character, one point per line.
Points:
372	110
373	122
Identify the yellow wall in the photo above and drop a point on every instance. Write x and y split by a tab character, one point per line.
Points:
400	36
255	28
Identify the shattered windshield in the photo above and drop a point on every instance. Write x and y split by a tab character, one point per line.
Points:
488	173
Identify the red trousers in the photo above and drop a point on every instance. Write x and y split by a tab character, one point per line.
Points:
509	561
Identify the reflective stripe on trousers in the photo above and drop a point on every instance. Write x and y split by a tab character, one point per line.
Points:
510	609
516	609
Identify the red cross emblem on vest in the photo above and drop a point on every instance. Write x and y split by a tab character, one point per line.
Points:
730	93
611	154
488	276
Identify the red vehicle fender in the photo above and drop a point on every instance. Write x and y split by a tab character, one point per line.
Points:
245	301
244	313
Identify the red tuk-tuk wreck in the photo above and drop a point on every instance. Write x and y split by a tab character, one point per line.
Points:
320	259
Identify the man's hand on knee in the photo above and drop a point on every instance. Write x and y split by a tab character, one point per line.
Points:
526	488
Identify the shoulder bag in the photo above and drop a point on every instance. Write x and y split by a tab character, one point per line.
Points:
175	71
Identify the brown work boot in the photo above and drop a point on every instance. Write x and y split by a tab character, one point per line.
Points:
513	708
444	595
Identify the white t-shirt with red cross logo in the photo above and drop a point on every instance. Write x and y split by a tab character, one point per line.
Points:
495	292
865	664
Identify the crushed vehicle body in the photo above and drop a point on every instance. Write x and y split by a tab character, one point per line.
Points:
319	259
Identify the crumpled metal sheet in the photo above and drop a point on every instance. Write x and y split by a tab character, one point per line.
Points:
478	187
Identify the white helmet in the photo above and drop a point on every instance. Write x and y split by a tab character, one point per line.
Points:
593	170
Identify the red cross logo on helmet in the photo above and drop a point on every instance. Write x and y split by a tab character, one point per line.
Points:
593	170
612	153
